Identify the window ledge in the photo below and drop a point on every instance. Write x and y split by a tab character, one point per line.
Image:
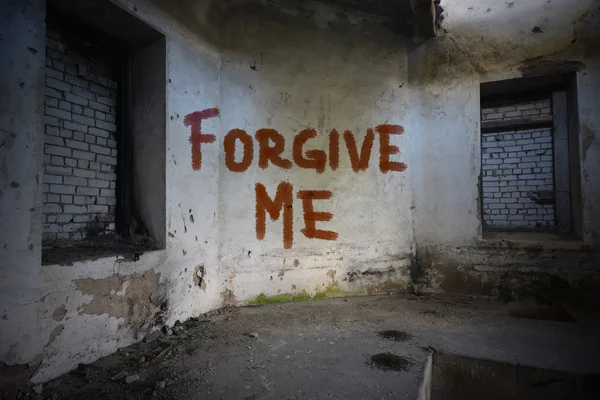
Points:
539	240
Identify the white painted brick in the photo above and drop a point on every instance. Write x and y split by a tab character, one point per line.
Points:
64	105
98	183
54	140
84	173
47	178
75	81
97	209
58	151
66	199
100	150
73	98
55	170
52	228
505	109
110	176
62	189
83	93
83	218
106	101
83	155
52	198
99	107
87	191
82	119
99	132
84	200
74	209
107	126
75	126
113	160
58	161
58	84
107	193
79	136
73	227
74	144
531	147
76	181
65	133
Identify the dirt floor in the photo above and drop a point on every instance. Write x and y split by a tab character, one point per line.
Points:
372	347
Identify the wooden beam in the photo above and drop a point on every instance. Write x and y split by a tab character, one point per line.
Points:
424	19
513	124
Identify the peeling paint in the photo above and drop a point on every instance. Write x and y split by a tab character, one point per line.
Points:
121	296
59	313
55	333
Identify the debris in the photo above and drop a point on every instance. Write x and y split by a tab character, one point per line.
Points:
161	385
177	328
119	376
131	379
142	360
166	330
152	337
162	353
253	335
38	388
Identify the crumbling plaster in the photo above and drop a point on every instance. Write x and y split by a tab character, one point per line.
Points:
307	72
489	41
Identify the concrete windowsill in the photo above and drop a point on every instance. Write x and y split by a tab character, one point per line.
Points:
547	240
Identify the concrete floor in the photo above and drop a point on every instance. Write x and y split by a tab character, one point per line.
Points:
322	349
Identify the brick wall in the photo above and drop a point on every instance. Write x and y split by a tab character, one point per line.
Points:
80	151
515	166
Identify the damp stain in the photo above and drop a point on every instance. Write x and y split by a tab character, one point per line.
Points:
390	362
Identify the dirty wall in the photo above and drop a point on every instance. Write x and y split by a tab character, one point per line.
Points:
330	211
489	41
371	184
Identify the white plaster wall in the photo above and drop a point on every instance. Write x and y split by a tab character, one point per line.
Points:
347	82
22	29
319	78
488	41
33	292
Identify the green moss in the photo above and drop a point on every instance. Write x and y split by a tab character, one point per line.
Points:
279	298
332	290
